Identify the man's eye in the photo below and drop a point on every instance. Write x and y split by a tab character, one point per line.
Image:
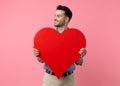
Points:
58	15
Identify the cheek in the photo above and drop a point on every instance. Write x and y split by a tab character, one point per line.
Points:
61	19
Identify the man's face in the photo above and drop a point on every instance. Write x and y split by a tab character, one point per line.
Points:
60	19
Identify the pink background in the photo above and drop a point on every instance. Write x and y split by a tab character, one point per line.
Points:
99	20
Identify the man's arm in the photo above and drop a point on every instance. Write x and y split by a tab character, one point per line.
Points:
79	62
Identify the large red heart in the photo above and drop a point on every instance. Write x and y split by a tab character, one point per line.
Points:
59	51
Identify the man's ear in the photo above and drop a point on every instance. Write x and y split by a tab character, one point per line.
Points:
67	19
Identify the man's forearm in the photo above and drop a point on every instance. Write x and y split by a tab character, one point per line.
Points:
39	59
79	62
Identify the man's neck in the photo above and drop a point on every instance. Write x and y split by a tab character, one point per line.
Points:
61	29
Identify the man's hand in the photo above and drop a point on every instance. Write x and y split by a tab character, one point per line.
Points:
37	54
82	52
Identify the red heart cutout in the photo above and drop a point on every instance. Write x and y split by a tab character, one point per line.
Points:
59	51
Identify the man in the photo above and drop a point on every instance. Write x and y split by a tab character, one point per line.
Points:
61	19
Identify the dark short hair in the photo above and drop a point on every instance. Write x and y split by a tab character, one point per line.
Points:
68	12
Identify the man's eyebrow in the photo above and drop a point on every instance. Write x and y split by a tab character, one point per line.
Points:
57	15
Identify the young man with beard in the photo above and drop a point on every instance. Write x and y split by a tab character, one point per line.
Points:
62	17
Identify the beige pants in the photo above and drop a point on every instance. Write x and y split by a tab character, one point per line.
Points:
51	80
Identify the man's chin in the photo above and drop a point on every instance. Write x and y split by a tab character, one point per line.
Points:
56	25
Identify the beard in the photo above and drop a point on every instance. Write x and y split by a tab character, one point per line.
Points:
59	23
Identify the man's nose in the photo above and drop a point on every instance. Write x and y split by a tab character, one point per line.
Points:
55	18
